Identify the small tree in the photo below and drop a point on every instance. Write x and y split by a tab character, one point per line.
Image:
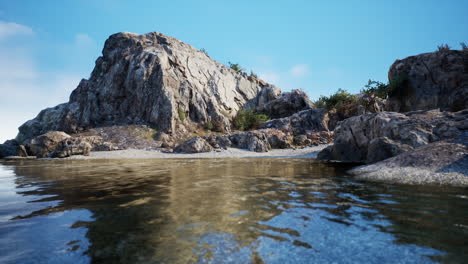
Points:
464	46
376	88
339	98
236	67
443	47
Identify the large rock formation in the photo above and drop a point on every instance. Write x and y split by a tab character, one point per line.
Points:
150	79
428	81
373	137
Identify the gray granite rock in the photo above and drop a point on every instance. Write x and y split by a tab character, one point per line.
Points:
430	80
150	79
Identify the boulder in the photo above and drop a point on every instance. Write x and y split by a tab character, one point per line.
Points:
430	80
285	105
300	123
46	145
9	148
383	147
252	140
155	80
354	135
72	146
219	141
57	144
194	145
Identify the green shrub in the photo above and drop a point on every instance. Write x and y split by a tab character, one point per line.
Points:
181	114
382	90
443	47
236	67
208	125
376	88
204	51
248	119
341	97
252	74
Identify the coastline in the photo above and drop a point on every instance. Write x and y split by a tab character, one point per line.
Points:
307	152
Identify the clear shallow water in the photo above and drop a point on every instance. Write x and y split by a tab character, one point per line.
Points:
222	211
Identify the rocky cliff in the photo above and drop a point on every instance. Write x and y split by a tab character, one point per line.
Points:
155	80
430	80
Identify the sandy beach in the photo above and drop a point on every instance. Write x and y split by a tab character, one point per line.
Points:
308	152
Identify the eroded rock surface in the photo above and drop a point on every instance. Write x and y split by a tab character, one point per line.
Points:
442	162
150	79
374	137
431	80
285	105
194	145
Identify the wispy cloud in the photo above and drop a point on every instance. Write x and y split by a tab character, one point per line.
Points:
25	87
299	70
9	29
83	40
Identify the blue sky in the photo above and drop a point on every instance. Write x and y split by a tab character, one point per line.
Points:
46	47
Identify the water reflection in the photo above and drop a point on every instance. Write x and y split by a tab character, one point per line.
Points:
229	210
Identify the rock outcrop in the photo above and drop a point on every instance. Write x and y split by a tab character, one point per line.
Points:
9	148
442	162
305	128
284	105
373	137
150	79
428	81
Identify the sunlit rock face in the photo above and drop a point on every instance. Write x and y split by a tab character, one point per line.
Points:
151	79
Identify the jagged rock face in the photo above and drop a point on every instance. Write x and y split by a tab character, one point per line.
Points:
433	80
374	137
354	135
312	120
285	105
149	79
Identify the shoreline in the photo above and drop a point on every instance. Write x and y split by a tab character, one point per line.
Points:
307	152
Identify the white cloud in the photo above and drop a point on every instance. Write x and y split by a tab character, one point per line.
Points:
8	29
83	40
299	70
26	89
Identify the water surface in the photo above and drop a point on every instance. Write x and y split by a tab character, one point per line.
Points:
222	211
